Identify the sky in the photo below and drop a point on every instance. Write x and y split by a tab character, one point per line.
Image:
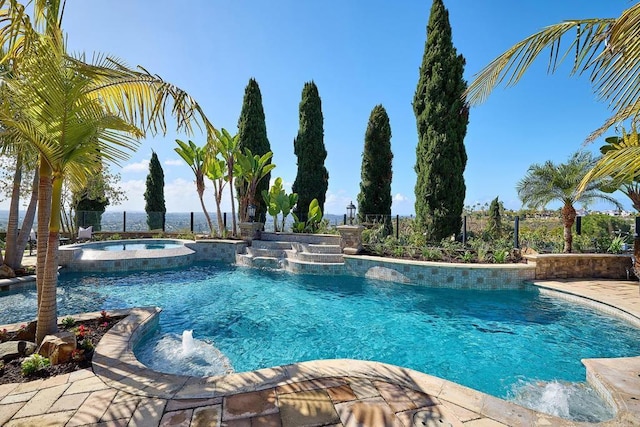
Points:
360	54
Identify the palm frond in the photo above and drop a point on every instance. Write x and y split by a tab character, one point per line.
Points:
512	64
608	48
550	182
50	108
141	97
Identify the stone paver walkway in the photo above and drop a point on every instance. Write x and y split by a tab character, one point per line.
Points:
119	391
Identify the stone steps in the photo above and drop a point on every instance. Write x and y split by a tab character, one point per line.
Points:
324	249
320	258
270	244
259	262
279	250
327	239
270	253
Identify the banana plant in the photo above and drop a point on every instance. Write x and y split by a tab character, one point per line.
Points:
278	201
313	219
215	169
252	169
227	146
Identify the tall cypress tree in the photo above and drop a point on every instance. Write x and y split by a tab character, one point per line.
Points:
375	175
312	179
154	194
252	134
442	119
494	226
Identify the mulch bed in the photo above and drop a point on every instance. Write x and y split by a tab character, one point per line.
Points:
93	331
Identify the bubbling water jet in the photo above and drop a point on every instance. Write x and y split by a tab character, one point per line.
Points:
188	345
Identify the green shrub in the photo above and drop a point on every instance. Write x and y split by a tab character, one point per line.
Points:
87	345
187	236
412	252
68	322
603	225
500	257
467	256
616	245
432	254
34	363
451	248
482	249
397	251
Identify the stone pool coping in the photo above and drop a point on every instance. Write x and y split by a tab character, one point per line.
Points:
618	380
85	257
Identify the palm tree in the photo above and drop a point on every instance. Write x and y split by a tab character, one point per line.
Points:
606	48
75	114
549	182
72	133
620	162
195	158
16	240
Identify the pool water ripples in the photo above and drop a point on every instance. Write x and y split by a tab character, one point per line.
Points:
490	340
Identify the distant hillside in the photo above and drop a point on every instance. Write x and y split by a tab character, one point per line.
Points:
175	221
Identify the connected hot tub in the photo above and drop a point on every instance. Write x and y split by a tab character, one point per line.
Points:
127	255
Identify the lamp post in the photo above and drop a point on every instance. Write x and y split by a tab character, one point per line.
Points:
351	235
351	210
251	212
250	229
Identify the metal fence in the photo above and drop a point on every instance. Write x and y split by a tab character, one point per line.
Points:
542	232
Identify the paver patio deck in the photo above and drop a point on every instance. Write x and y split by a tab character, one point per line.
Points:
120	391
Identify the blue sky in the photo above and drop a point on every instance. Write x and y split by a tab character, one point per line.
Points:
360	54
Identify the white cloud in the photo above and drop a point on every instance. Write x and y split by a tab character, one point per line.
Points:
174	162
336	202
134	190
402	205
141	166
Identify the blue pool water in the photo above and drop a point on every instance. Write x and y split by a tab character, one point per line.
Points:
491	340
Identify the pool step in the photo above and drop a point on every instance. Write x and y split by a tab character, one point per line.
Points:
324	249
281	250
270	253
315	257
259	262
326	239
270	244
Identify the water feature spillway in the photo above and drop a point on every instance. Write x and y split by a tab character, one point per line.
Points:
184	355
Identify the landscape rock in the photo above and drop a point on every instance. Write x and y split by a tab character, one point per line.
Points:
14	349
28	333
6	272
58	347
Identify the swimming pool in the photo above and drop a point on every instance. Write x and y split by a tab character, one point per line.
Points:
496	341
126	255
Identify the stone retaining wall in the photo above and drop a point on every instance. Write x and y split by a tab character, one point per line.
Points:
573	266
217	250
476	276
